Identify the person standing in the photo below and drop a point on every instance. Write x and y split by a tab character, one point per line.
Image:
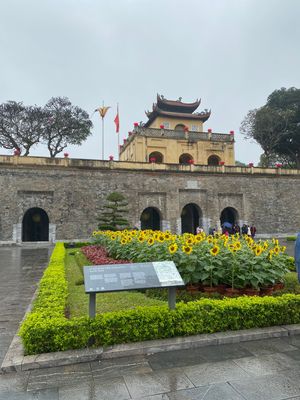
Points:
297	255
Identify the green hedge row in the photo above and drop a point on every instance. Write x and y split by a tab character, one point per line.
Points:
46	329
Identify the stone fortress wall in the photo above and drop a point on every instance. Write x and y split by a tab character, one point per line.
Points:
72	192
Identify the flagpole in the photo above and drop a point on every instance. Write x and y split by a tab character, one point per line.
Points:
118	135
103	133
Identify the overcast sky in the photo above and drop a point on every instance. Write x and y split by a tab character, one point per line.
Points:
230	53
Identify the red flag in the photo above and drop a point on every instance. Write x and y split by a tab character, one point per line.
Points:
117	121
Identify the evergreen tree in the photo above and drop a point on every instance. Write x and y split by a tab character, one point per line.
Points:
112	217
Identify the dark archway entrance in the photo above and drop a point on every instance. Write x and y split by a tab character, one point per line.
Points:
157	156
213	160
150	219
190	218
230	215
185	158
35	226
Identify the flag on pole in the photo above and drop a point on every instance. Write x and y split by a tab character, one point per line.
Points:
117	121
102	111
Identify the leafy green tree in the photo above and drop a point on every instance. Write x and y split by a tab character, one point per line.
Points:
276	127
21	126
113	213
65	124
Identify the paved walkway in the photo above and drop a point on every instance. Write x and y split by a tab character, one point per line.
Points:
257	370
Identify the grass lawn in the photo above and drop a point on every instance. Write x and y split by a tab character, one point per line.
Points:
78	301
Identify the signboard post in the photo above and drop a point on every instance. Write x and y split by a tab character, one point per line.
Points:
124	277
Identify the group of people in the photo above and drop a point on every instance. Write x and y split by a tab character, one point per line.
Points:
229	229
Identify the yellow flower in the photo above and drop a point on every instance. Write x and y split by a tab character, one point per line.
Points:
187	249
123	241
283	249
190	241
167	236
161	238
113	237
141	239
150	241
238	245
215	250
232	247
276	249
270	255
173	248
258	250
198	238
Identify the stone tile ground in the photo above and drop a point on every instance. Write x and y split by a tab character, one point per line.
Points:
258	370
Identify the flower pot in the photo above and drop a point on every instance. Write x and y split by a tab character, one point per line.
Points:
251	292
266	291
231	292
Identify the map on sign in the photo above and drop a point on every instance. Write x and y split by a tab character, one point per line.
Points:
117	277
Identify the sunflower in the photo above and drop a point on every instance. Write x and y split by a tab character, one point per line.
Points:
276	250
232	247
167	236
123	241
198	238
150	241
173	248
113	237
187	249
270	255
283	249
258	250
238	245
215	250
141	239
190	241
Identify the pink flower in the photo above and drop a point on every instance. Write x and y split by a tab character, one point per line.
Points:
250	164
17	152
231	132
162	126
209	130
66	155
221	162
186	129
152	159
136	124
130	133
278	165
111	158
124	140
191	161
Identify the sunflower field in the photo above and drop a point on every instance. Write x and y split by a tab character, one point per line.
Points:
235	261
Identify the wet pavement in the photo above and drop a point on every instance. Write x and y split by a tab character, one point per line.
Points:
256	370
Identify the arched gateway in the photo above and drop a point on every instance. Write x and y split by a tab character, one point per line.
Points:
150	219
35	226
191	216
229	214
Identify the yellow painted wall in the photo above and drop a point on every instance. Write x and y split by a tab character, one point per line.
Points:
175	121
141	147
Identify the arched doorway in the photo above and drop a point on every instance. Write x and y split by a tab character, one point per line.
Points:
150	219
185	158
35	226
179	127
213	160
191	217
159	158
229	216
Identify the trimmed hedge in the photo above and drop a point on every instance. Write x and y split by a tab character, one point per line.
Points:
46	328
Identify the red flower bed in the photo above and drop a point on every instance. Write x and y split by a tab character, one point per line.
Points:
98	256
